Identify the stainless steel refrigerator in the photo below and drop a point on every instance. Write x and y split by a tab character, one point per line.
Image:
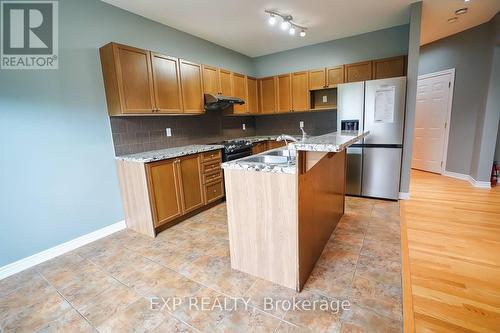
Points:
374	163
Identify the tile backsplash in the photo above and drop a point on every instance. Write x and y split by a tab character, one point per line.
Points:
138	134
315	123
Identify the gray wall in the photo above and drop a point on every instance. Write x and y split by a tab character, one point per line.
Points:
58	172
372	45
497	149
470	53
411	93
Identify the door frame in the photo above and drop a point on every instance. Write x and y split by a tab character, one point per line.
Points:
448	111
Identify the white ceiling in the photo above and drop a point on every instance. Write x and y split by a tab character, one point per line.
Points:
435	15
241	25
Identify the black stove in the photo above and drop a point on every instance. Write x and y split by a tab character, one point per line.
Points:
235	149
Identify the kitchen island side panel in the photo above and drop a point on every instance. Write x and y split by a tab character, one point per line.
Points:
262	223
321	197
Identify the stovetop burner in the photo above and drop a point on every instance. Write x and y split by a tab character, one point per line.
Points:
231	146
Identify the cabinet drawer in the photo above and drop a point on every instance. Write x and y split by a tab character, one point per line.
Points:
210	178
214	191
210	167
211	155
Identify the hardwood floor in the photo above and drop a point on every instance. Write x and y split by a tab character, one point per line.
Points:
452	255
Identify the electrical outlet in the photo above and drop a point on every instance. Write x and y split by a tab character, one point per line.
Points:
244	127
168	130
301	124
325	99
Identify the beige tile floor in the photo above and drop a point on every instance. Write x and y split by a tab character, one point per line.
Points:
107	286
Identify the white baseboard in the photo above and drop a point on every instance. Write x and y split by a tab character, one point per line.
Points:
55	251
404	196
475	183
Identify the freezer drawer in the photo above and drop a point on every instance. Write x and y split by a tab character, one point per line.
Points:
381	172
354	171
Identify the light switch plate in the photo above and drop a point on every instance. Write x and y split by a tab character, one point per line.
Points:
168	130
301	124
325	99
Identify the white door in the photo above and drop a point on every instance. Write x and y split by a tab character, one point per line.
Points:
433	93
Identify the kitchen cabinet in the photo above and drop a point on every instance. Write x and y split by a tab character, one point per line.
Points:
273	144
360	71
239	84
166	84
128	79
285	93
159	194
300	91
259	147
210	80
164	191
190	181
268	88
226	88
192	87
334	76
317	79
389	67
253	96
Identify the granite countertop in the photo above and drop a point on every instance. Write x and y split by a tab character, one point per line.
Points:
331	142
163	154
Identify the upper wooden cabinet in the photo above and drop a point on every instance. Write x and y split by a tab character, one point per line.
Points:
334	76
128	79
226	88
285	93
192	87
301	98
389	67
317	79
360	71
239	85
211	80
253	96
166	83
268	88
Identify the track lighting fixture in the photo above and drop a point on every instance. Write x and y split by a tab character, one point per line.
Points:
287	23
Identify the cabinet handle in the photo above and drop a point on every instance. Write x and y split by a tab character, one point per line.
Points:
215	191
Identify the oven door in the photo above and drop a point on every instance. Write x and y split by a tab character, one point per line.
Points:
240	154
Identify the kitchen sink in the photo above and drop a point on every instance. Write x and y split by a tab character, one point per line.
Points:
283	152
268	159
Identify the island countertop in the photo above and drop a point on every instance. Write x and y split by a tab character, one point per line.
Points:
331	142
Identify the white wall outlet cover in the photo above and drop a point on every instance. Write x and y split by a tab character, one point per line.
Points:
301	124
244	127
325	99
168	130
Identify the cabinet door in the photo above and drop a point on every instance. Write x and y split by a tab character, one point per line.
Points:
253	106
301	99
225	82
190	182
360	71
389	67
192	92
239	82
210	80
272	144
166	83
284	93
164	191
317	79
268	87
334	76
135	79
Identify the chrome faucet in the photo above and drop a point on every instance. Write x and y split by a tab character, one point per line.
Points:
286	138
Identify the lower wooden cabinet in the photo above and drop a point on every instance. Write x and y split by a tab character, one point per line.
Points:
260	147
158	193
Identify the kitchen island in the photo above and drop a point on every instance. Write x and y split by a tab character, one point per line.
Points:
284	204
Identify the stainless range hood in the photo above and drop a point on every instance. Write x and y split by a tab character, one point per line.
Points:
220	102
